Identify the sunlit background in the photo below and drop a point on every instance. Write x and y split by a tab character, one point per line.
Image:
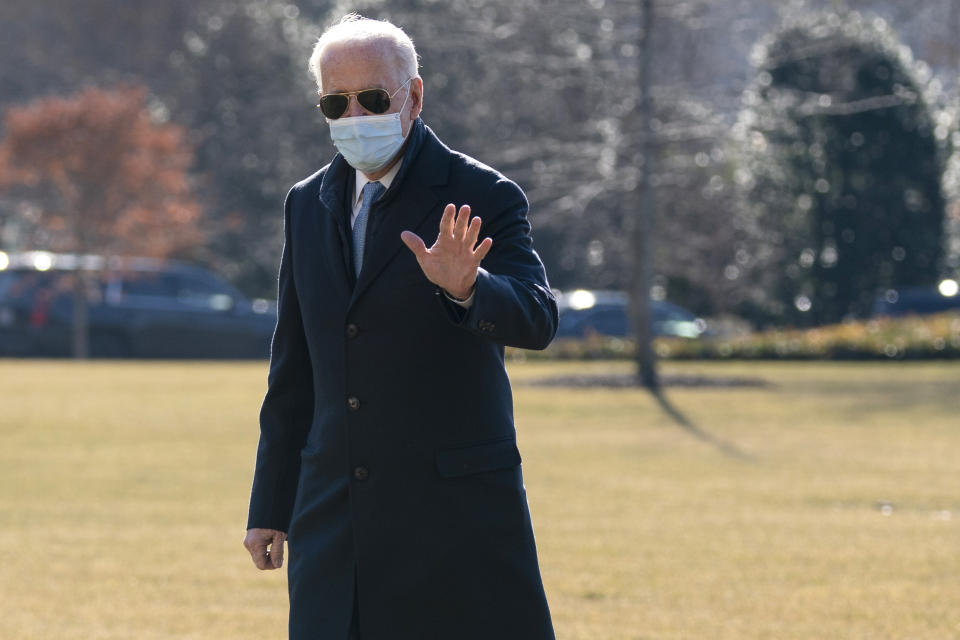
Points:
780	180
803	152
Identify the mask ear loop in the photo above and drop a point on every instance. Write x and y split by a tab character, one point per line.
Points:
400	110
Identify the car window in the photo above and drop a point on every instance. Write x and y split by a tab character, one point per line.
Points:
610	322
603	321
6	279
47	287
206	293
154	284
666	312
23	286
184	290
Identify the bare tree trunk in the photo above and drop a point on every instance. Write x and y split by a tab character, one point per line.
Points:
643	228
954	24
81	315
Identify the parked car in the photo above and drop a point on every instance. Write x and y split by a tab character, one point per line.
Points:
918	300
137	307
607	313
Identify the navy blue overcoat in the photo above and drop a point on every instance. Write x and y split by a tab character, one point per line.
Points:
387	447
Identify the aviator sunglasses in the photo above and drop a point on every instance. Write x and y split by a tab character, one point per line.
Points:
376	101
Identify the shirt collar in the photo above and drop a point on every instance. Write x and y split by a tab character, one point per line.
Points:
361	180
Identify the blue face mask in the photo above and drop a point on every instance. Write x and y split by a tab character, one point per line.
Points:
368	143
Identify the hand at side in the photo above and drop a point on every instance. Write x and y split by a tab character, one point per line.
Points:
257	541
452	262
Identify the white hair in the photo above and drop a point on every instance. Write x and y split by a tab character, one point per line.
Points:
355	28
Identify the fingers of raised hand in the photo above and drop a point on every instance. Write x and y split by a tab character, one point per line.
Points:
447	221
473	231
463	218
472	235
415	243
482	249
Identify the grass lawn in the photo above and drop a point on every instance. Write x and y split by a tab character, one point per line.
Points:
124	486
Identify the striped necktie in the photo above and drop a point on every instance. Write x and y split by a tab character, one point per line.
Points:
371	191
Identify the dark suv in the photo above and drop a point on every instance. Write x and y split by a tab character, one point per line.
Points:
918	300
137	307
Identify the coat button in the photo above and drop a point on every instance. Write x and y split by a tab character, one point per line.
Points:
352	330
361	473
353	402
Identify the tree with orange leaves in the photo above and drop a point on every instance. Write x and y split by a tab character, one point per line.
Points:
102	177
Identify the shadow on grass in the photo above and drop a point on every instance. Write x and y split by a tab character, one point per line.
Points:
630	381
724	447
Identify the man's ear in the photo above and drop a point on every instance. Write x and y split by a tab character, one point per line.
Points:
416	97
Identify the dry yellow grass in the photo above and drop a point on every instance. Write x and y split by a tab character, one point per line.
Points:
123	491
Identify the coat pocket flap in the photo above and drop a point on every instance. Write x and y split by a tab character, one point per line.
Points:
487	456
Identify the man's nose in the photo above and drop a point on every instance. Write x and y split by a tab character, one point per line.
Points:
354	108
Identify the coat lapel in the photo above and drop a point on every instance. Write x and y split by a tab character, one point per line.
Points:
406	205
333	238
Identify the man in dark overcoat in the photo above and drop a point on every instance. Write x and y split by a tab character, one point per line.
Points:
387	457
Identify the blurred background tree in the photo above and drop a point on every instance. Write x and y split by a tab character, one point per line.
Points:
97	175
232	73
545	90
846	164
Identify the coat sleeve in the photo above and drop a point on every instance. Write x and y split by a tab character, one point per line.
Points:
513	304
287	408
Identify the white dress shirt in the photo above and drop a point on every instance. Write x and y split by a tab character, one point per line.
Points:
359	183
